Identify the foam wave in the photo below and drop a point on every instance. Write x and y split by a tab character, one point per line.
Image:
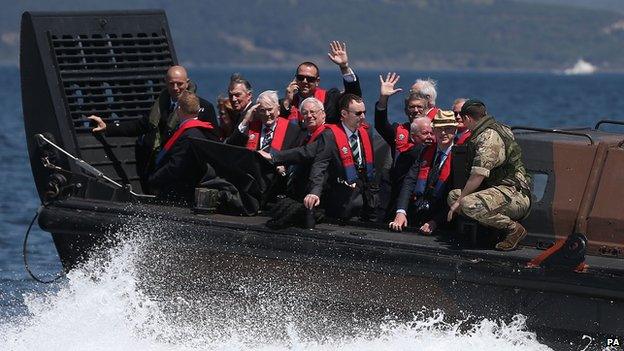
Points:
102	306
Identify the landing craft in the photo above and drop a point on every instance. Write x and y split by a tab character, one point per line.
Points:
112	64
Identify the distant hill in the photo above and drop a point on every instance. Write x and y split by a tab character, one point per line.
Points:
611	5
419	34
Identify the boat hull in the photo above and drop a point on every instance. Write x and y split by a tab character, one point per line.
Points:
346	269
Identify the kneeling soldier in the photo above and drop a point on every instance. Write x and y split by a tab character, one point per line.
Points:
497	193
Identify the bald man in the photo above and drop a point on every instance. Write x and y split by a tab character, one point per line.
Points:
157	127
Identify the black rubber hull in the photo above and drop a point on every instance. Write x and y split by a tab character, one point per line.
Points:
353	268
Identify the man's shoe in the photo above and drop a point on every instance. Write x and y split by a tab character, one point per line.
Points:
512	239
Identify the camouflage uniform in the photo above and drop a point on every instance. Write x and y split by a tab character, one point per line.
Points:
499	205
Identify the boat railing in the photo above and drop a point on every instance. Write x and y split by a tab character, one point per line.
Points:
608	121
555	131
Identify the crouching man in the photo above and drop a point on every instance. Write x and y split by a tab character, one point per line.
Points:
497	192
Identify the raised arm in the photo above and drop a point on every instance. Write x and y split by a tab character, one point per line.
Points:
386	89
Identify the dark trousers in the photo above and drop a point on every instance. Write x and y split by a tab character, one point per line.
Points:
344	202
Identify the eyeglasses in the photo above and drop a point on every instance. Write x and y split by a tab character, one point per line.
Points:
457	113
447	129
310	112
358	113
301	78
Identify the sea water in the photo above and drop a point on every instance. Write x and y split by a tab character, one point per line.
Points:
101	306
104	306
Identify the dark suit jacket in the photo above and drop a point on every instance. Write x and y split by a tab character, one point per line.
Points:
292	139
178	173
300	160
338	198
331	100
438	206
401	163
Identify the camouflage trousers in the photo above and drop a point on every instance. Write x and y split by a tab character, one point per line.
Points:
495	207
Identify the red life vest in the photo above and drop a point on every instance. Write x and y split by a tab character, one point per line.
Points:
462	137
432	113
188	124
316	133
346	156
295	116
402	139
427	160
279	134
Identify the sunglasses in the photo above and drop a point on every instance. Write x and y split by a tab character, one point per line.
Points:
358	113
301	78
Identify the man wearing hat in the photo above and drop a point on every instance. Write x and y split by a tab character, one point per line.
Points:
423	195
497	192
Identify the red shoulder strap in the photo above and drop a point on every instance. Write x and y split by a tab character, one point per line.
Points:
279	134
253	134
319	94
432	113
463	137
369	155
402	140
317	132
188	124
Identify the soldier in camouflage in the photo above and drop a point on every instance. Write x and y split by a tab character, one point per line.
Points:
497	192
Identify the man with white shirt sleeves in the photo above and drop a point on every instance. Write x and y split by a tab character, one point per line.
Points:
306	84
343	173
263	129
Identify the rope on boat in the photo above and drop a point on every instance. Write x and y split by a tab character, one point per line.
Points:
25	254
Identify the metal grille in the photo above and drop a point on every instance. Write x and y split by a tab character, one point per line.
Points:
115	76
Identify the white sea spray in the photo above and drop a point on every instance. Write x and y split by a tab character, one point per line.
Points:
103	305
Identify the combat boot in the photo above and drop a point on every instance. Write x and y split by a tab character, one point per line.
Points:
512	239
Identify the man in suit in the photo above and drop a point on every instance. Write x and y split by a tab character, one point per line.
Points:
240	95
306	84
262	129
299	159
422	200
344	170
177	171
403	148
157	127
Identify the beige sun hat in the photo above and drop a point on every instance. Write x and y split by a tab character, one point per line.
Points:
444	119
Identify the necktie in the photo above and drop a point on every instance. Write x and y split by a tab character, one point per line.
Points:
439	159
434	172
307	139
355	150
268	137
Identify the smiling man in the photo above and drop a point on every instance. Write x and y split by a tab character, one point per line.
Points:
422	200
262	129
343	173
306	84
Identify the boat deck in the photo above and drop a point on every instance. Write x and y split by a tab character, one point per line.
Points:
353	233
